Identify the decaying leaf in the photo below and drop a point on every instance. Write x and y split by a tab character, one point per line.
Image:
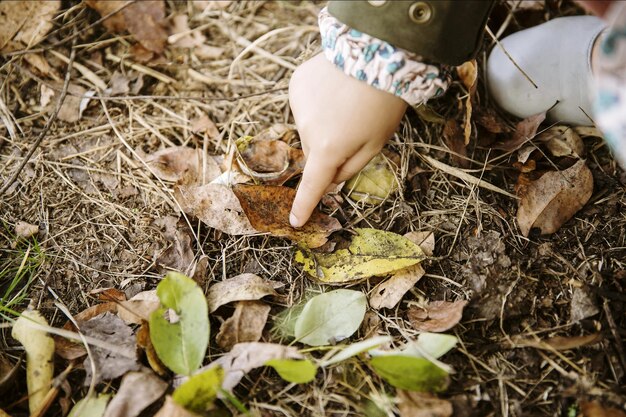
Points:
200	391
245	325
272	162
420	404
172	164
330	317
26	230
217	206
25	23
562	141
388	293
374	183
110	365
145	343
137	391
204	124
557	342
244	357
268	207
468	73
595	409
436	316
90	406
454	140
139	307
239	288
524	132
145	20
178	255
172	409
179	329
39	347
554	198
371	252
582	305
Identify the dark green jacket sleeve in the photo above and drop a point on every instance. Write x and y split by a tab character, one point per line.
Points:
442	31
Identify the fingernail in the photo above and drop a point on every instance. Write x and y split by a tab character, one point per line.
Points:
294	220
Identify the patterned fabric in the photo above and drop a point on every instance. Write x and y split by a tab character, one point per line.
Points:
610	83
381	65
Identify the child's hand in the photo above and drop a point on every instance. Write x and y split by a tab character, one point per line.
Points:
343	123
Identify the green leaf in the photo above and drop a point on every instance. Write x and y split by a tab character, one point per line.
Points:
330	317
294	370
199	392
410	373
355	348
433	345
90	406
179	329
372	252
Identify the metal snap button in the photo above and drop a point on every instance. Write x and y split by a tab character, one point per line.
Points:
377	3
420	12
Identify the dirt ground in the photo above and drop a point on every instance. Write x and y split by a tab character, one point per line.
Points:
97	209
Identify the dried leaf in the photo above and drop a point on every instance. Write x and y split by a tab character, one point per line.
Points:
582	306
239	288
71	108
454	140
244	357
204	124
371	252
178	256
246	324
330	317
39	347
272	162
595	409
145	20
173	164
25	23
181	36
137	391
144	342
26	230
468	73
562	141
110	365
553	199
419	404
436	316
388	293
139	307
268	207
172	409
374	183
217	206
524	132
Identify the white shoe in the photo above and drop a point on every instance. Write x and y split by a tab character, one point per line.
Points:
556	56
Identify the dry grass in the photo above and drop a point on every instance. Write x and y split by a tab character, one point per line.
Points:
96	202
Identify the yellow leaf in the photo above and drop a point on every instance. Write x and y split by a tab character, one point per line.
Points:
373	183
372	252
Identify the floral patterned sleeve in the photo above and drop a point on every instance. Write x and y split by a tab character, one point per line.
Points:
610	83
381	65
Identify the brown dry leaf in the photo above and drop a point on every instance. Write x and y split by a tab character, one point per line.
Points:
25	23
172	164
244	287
172	409
216	205
582	305
388	293
454	140
108	294
178	255
145	343
553	199
145	20
71	108
119	84
271	161
246	324
204	124
26	230
268	207
557	342
468	73
595	409
139	307
524	132
244	357
110	365
422	404
137	391
563	141
436	316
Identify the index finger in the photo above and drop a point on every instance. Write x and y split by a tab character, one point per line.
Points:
318	174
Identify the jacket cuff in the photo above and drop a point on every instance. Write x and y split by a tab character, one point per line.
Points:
381	65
